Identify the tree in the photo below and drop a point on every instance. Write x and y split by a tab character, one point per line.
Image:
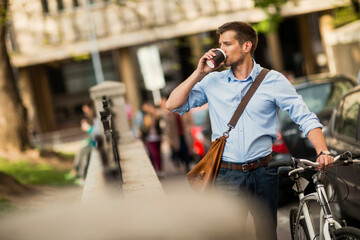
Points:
272	9
13	134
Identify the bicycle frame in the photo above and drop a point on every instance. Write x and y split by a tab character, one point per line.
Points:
327	223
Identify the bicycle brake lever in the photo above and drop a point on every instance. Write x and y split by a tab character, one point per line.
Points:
307	163
348	162
344	156
299	169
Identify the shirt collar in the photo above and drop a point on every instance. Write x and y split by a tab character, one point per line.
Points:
253	74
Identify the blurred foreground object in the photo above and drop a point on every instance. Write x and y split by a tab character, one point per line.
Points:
185	216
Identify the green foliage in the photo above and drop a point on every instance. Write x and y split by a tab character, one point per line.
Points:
345	15
2	16
272	9
264	4
31	173
66	155
81	57
268	25
123	2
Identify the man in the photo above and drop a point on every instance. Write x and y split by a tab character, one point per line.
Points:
251	139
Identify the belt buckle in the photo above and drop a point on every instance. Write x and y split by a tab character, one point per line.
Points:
245	167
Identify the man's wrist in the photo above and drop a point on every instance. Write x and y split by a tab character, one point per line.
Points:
324	152
200	75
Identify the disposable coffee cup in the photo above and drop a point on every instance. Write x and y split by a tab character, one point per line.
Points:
216	60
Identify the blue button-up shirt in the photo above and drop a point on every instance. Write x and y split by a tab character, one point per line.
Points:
256	129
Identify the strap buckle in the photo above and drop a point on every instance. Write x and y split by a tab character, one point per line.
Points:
226	134
245	167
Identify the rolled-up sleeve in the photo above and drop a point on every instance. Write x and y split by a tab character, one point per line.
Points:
287	99
196	98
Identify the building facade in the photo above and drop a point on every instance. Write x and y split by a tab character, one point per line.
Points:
51	44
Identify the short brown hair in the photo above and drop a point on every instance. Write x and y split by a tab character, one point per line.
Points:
244	32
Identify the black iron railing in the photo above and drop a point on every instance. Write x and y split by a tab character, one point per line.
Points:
109	151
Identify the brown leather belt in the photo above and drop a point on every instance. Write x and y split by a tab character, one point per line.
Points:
248	166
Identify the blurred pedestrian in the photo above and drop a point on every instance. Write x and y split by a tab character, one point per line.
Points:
177	134
200	131
137	122
151	134
90	125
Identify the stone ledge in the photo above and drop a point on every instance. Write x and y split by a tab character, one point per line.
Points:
138	173
139	176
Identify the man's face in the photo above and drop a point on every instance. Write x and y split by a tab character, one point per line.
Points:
235	53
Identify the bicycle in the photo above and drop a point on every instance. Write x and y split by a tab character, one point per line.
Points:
301	219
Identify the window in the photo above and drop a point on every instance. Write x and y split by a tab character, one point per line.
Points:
79	76
316	98
60	5
346	121
45	6
70	82
75	3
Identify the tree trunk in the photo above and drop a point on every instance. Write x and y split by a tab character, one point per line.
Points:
13	134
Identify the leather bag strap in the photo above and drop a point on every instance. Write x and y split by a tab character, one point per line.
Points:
247	97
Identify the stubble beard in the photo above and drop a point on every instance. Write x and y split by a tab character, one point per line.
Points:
236	63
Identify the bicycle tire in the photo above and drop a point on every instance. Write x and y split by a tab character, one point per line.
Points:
347	233
302	233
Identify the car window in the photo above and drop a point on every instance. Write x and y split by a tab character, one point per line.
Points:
320	97
315	97
339	89
347	116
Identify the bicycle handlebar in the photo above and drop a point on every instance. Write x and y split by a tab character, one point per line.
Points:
292	162
300	165
282	163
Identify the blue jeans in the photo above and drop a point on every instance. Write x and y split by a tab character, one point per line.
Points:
261	184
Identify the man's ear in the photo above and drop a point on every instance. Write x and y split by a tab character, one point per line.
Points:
247	46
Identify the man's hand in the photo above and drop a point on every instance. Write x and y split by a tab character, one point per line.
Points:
202	67
317	139
180	94
324	159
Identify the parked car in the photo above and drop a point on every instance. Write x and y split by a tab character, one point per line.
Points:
320	93
344	135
